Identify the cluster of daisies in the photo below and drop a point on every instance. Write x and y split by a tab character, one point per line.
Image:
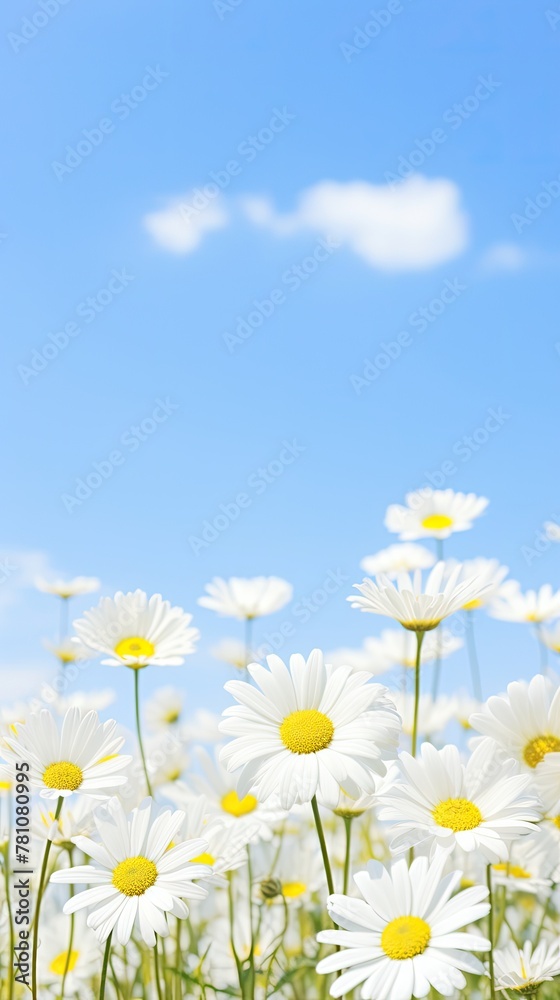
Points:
323	837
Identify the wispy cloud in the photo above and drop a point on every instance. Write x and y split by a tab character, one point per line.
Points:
180	226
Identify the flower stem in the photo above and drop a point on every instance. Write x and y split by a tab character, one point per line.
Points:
491	932
348	829
419	641
40	891
10	917
104	969
248	641
156	971
251	978
322	844
139	731
71	937
473	658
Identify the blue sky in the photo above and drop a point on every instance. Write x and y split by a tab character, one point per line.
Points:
116	114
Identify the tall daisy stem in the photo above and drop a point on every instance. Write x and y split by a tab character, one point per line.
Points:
139	731
491	932
473	657
10	916
437	664
322	844
156	971
348	853
104	969
40	891
419	641
71	936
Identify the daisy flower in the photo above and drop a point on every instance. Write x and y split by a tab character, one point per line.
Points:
532	864
525	723
441	803
402	937
487	572
309	730
533	606
81	963
68	588
232	651
524	969
164	708
399	647
246	598
551	637
417	606
138	878
552	530
133	630
82	756
397	559
431	513
226	846
68	651
219	789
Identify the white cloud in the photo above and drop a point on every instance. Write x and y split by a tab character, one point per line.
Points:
21	680
408	227
180	226
18	570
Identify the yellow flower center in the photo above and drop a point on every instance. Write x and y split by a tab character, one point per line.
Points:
232	804
437	522
58	964
514	870
291	890
204	859
63	775
66	655
133	876
5	786
135	647
556	821
306	731
537	749
472	605
457	815
421	624
405	937
171	716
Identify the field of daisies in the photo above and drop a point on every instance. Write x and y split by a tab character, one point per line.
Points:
323	838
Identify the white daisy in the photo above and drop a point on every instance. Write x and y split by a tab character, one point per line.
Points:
524	969
69	651
434	714
434	514
246	598
418	607
135	631
398	647
533	606
310	730
83	755
226	846
552	530
219	789
551	636
402	937
438	801
395	559
164	708
532	864
68	588
232	651
487	572
138	878
525	723
81	962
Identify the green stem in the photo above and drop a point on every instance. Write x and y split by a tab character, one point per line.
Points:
251	984
248	640
104	969
491	932
323	845
40	891
139	731
348	830
238	964
419	641
71	938
156	971
473	658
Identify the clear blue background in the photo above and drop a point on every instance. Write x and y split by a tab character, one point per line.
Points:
163	336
